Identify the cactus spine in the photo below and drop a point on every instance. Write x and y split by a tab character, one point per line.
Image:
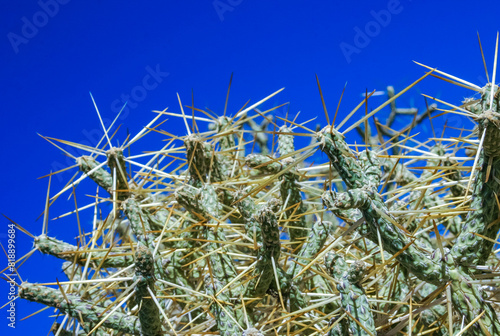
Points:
231	239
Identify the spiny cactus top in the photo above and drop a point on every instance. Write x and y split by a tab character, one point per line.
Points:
238	230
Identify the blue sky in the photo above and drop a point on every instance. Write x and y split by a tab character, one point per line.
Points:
55	52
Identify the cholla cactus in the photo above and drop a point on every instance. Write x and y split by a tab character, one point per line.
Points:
213	235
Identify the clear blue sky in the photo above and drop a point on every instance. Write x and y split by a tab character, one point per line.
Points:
55	52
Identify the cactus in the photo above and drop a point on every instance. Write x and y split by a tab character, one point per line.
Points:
230	238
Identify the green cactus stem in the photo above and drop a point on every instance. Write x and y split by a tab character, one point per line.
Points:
149	314
101	177
263	273
116	163
352	296
221	308
63	250
363	196
77	308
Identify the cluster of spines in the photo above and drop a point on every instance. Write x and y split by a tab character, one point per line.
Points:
211	195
